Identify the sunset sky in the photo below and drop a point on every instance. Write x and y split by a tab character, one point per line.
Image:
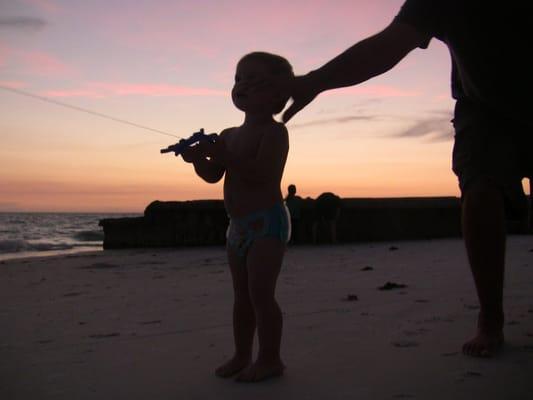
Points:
169	65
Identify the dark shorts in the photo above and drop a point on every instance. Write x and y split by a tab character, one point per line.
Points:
490	147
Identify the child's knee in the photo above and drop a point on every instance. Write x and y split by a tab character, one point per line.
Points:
242	298
261	298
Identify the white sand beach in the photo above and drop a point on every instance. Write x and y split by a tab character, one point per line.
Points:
154	324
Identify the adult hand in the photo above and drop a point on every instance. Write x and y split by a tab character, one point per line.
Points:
303	91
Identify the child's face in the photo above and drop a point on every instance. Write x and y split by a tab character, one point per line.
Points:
254	90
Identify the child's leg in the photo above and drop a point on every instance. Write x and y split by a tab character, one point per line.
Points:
263	264
243	318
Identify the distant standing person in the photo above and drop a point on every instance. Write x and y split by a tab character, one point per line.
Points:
492	82
252	158
294	204
327	210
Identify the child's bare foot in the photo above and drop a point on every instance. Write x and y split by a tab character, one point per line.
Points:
232	366
489	337
260	371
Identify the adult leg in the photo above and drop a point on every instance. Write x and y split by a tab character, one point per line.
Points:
264	263
483	221
243	318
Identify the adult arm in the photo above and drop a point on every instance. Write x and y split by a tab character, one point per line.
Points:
370	57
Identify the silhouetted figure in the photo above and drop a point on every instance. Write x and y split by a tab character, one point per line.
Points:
294	204
252	157
492	82
530	204
327	210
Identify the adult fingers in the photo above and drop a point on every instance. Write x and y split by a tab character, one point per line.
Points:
293	109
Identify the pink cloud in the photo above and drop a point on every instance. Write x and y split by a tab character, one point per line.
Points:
72	93
376	90
41	63
208	31
4	54
33	62
101	89
13	84
442	97
44	5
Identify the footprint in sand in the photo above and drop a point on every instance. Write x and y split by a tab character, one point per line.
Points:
72	294
472	374
405	343
104	335
100	266
157	321
351	297
418	332
451	354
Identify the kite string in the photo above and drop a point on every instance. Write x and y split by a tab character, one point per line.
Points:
98	114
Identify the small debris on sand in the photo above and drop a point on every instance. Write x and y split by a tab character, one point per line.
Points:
351	297
391	286
104	335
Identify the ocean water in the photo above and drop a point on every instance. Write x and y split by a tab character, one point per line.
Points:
41	234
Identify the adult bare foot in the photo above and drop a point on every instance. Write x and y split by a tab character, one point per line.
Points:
259	371
489	338
484	344
231	367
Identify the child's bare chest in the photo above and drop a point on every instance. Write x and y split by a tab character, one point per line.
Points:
244	143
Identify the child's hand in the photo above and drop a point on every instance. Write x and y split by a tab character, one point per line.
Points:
215	151
192	154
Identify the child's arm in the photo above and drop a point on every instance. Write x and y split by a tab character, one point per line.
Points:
267	165
207	169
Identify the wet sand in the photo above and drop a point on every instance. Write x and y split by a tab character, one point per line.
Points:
361	321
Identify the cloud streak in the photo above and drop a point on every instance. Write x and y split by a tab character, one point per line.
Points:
436	128
43	5
43	64
375	91
336	120
103	89
22	23
13	84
